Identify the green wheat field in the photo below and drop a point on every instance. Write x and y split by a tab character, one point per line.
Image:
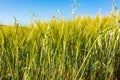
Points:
81	48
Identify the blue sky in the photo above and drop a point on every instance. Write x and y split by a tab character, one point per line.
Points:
21	9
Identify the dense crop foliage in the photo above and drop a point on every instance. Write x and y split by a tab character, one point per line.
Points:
84	48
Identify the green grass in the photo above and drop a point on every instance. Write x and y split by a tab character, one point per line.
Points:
78	49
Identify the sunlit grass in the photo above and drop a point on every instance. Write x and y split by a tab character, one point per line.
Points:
83	48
